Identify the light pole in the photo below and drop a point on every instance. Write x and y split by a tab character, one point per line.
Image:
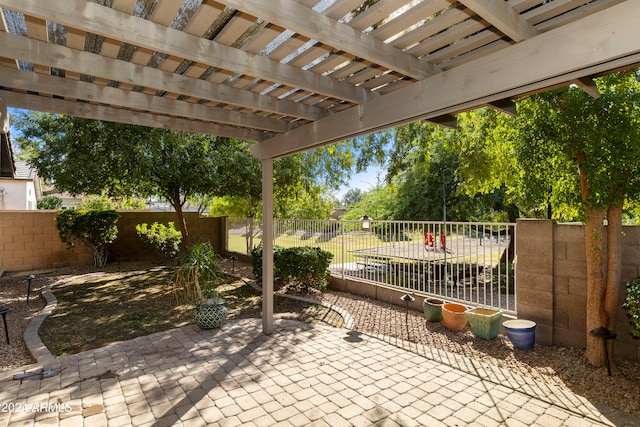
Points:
375	213
443	238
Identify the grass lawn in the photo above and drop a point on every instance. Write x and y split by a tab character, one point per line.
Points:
101	308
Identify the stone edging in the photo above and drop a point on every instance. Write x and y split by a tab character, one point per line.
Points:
31	337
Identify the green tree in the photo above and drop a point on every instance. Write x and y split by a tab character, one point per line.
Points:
93	157
378	204
297	193
427	158
599	138
97	203
179	165
300	186
352	196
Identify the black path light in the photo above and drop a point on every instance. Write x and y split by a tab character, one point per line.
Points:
233	259
407	298
4	310
29	279
604	334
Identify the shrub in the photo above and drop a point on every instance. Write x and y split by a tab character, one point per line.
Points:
164	238
94	229
50	202
632	304
298	268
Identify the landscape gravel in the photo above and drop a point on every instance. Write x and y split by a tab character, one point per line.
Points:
559	366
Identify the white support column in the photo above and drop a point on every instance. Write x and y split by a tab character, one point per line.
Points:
267	246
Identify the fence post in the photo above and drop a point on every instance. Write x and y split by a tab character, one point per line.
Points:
343	248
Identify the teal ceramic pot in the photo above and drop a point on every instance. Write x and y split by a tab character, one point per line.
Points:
209	316
484	322
432	309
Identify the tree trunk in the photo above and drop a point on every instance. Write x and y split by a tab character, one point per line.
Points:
614	272
593	240
249	236
509	253
183	226
596	315
99	255
182	223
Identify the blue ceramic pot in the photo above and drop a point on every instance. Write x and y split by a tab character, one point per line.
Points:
522	333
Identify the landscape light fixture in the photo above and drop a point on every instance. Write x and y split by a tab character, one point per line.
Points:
233	259
604	334
407	298
29	279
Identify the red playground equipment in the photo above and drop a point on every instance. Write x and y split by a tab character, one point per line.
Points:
429	241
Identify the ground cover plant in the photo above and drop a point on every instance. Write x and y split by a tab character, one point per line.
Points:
106	307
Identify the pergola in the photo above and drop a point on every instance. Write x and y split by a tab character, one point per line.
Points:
297	74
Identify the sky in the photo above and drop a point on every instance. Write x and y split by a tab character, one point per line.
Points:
365	181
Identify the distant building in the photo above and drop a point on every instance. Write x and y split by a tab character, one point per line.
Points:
19	184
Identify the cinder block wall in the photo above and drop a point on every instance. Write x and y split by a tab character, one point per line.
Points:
29	240
535	276
129	247
551	280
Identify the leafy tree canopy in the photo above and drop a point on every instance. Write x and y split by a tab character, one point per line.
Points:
352	196
118	161
87	156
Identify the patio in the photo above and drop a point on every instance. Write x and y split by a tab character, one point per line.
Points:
293	76
301	375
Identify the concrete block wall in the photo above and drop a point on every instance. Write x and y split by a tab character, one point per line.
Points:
29	240
535	276
551	280
375	292
128	246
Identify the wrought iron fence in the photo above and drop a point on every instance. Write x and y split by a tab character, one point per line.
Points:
472	263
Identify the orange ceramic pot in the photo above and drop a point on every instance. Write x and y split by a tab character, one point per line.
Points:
453	316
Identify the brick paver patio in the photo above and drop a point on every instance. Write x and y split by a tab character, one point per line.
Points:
301	375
